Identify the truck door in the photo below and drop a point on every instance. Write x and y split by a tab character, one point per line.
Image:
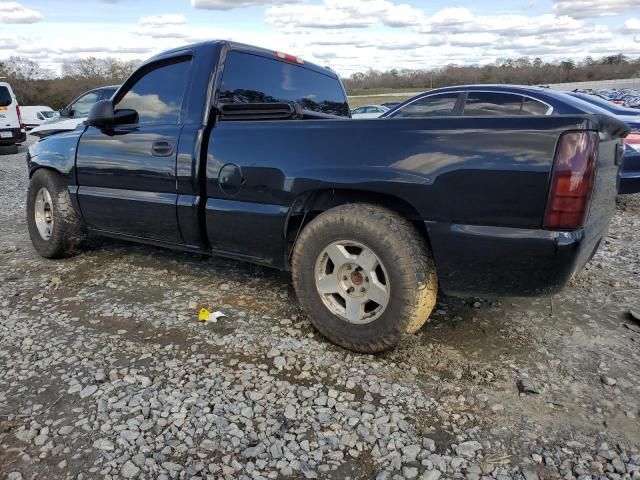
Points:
127	174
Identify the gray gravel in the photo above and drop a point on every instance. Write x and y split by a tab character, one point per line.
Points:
105	372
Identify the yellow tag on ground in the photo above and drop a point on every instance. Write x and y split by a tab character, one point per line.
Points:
203	316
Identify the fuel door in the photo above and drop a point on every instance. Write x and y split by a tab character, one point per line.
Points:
230	179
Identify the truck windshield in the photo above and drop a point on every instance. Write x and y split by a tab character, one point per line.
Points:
251	78
5	97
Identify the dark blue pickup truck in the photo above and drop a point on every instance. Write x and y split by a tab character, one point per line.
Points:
226	149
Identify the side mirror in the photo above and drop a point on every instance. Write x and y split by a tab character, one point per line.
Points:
101	114
65	112
125	116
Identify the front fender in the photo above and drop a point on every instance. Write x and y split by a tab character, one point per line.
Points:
57	152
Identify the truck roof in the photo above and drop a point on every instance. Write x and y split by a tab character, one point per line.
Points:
245	48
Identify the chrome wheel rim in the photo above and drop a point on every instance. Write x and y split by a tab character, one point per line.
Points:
43	210
352	282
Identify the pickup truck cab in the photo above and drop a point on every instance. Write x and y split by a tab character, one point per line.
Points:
12	131
227	149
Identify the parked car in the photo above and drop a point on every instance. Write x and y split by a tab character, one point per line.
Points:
507	100
12	130
32	116
75	113
605	104
255	158
368	111
630	173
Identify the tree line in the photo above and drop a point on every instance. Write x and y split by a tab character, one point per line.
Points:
521	71
36	85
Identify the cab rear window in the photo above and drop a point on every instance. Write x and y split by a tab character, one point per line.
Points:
251	78
5	97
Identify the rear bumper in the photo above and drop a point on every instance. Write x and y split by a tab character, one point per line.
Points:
500	261
17	136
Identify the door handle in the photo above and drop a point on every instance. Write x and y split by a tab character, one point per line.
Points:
161	148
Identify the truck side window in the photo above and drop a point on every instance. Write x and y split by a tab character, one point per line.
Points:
157	95
484	104
430	106
249	78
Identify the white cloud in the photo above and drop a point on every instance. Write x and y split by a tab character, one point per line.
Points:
163	20
13	12
631	26
594	8
474	39
30	48
229	4
8	43
101	49
385	34
461	20
169	25
344	14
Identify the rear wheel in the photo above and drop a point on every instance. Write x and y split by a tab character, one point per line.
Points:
55	227
365	276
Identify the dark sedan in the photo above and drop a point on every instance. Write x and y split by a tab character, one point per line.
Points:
492	100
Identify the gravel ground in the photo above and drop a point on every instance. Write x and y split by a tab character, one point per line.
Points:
105	372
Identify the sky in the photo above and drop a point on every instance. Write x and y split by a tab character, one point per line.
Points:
346	35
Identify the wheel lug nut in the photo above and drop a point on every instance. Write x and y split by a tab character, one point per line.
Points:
344	278
363	289
366	279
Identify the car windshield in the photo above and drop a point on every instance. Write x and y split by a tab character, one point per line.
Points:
5	97
47	114
107	93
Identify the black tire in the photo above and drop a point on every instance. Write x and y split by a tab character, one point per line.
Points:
399	247
9	150
68	232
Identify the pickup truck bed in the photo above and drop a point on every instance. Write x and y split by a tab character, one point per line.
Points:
351	207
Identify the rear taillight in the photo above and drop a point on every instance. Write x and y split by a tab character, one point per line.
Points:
19	116
574	171
633	140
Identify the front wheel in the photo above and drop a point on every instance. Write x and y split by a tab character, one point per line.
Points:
365	276
55	227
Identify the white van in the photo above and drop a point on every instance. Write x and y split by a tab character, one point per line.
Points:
12	130
32	116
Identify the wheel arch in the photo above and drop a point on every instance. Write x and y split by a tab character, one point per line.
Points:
310	204
34	167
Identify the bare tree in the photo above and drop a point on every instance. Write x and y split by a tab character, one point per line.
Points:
504	70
